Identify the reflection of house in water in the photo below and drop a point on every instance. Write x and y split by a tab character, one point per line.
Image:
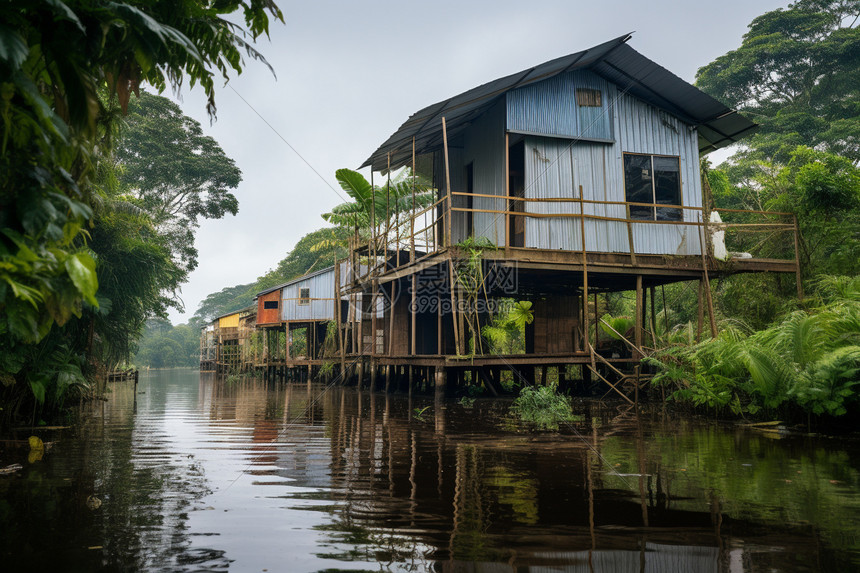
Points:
468	495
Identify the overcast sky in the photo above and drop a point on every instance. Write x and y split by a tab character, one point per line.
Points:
349	73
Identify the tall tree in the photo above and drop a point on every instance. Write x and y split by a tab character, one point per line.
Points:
174	172
57	224
797	74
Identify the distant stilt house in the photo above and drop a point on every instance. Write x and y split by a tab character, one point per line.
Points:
298	320
225	343
208	347
556	185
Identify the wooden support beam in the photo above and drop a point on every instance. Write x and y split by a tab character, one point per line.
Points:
413	313
439	349
653	318
412	215
708	296
507	190
637	337
338	318
586	335
373	301
700	321
391	318
611	385
454	310
447	240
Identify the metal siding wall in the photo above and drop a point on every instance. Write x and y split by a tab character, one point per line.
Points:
549	107
556	168
321	286
485	149
642	128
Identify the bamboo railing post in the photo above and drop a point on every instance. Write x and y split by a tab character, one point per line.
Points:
338	322
701	311
387	206
454	310
637	339
412	216
372	245
391	320
507	192
447	241
413	309
373	325
630	235
708	296
585	331
653	316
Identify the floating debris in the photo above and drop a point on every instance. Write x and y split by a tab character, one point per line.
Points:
10	469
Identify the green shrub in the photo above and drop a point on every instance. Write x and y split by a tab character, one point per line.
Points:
543	407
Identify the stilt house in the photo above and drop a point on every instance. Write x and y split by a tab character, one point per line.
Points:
295	318
576	177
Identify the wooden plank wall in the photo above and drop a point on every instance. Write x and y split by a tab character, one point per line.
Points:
556	319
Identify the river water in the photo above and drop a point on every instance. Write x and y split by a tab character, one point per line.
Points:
193	474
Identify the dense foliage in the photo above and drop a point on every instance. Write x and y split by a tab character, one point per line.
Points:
81	266
797	75
164	346
174	172
808	360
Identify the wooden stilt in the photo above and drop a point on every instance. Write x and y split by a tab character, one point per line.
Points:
391	318
637	339
338	321
454	310
586	335
653	317
708	297
413	313
701	311
448	240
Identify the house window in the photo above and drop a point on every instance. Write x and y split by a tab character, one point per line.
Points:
304	296
269	304
653	179
587	97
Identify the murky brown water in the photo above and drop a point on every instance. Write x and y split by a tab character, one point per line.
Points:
196	475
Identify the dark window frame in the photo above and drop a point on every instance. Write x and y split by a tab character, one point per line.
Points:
589	97
673	211
270	305
304	296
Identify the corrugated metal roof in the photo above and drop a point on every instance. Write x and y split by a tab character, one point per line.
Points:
294	281
614	60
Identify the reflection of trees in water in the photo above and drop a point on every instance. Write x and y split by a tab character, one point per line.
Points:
466	490
130	465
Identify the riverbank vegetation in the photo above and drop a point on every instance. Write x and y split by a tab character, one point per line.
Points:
797	74
89	249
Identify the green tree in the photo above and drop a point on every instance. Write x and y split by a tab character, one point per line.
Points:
174	172
797	74
378	208
60	222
